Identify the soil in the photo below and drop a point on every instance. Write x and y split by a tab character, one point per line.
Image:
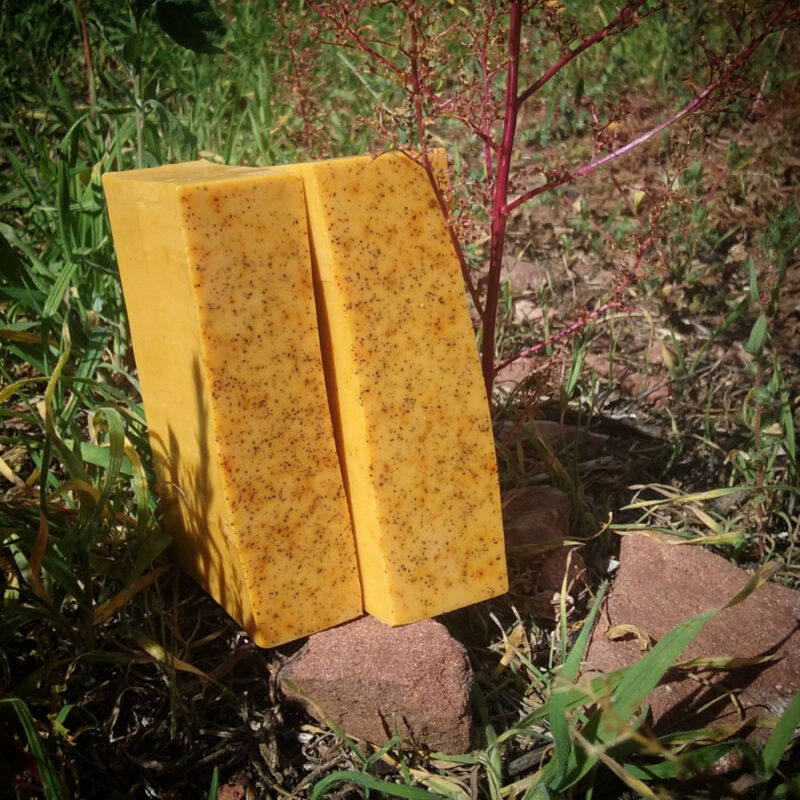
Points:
672	389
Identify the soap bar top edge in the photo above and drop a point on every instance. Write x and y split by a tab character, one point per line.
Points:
181	173
196	173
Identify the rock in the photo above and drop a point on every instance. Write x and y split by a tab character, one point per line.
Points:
520	274
534	518
231	791
362	673
535	515
559	437
508	378
525	309
656	389
658	586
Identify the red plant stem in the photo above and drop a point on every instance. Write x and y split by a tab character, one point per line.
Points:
499	209
350	35
564	333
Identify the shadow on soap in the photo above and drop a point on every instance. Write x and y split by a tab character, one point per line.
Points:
193	513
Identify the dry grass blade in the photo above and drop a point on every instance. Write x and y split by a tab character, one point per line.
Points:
35	560
12	477
634	783
759	578
158	653
510	643
724	662
110	607
622	630
449	787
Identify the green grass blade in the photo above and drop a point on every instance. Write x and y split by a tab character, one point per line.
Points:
781	737
50	782
116	456
559	727
636	685
575	371
73	464
790	790
100	456
63	208
491	756
93	353
214	787
370	783
541	791
644	676
56	293
786	414
648	671
573	661
691	762
576	696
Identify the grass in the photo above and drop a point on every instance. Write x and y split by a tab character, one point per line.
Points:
119	677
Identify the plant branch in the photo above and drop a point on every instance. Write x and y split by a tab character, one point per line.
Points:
404	78
87	54
589	315
624	20
698	101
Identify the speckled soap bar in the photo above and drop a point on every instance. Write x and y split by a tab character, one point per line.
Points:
409	407
216	273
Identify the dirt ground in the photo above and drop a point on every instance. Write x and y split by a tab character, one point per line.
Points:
667	374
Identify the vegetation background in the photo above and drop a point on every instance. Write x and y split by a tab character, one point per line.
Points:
656	302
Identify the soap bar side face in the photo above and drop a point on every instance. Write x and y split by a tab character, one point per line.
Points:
165	330
216	279
420	459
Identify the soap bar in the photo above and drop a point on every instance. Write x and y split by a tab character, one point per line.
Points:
407	397
216	274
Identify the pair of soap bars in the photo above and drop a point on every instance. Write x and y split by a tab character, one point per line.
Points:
311	384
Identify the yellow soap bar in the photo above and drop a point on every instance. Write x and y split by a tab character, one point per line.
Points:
410	411
216	273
